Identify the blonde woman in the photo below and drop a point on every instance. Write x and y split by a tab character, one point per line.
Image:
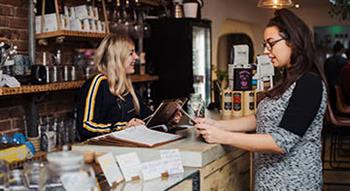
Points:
108	100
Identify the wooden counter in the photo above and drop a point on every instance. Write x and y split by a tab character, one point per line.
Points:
220	167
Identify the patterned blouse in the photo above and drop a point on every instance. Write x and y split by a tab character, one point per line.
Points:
295	122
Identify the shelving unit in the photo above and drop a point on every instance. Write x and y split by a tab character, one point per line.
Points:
35	93
26	89
66	33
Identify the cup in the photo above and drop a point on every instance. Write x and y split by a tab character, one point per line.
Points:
190	9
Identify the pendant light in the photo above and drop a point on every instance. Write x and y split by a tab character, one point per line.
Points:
275	4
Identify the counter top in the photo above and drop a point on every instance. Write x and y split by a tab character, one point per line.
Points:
194	151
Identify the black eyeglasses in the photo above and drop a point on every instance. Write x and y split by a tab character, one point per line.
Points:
268	45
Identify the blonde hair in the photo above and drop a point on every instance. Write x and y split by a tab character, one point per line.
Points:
110	57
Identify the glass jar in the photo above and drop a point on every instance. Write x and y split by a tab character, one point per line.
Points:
196	105
32	174
66	171
16	181
4	170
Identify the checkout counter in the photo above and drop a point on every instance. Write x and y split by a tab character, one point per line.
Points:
207	166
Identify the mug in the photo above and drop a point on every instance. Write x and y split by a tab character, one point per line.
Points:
38	74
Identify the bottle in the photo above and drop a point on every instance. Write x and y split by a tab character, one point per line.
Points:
58	57
142	63
196	105
118	12
48	137
150	103
128	12
237	103
226	103
73	76
65	73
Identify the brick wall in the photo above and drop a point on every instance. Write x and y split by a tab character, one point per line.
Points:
13	109
14	23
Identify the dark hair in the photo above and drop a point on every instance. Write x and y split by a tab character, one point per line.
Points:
303	58
347	53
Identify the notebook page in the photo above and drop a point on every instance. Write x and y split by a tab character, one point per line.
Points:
141	134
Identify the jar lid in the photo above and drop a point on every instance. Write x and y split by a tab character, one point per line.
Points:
65	158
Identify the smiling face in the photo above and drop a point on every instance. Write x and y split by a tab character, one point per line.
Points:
130	61
277	48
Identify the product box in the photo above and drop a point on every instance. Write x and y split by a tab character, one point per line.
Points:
82	12
50	22
242	79
96	13
38	24
75	25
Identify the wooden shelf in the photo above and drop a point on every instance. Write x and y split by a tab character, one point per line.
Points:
143	78
150	2
41	88
66	33
26	89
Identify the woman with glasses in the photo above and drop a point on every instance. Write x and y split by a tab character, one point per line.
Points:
108	100
288	122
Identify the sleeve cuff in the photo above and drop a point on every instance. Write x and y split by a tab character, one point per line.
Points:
284	139
119	126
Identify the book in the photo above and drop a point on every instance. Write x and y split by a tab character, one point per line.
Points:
137	136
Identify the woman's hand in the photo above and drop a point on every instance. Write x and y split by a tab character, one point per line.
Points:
210	133
177	117
134	122
205	121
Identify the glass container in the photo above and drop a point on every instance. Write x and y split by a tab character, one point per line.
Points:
196	105
4	170
16	181
32	172
66	171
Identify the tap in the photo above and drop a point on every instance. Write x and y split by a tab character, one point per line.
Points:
6	52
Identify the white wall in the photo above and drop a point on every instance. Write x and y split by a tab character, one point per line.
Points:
222	11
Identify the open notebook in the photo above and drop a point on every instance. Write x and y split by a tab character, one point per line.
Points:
138	136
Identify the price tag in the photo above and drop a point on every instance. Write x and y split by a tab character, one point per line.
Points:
152	169
130	165
110	168
172	161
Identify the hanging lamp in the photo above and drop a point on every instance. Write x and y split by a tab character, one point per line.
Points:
275	4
